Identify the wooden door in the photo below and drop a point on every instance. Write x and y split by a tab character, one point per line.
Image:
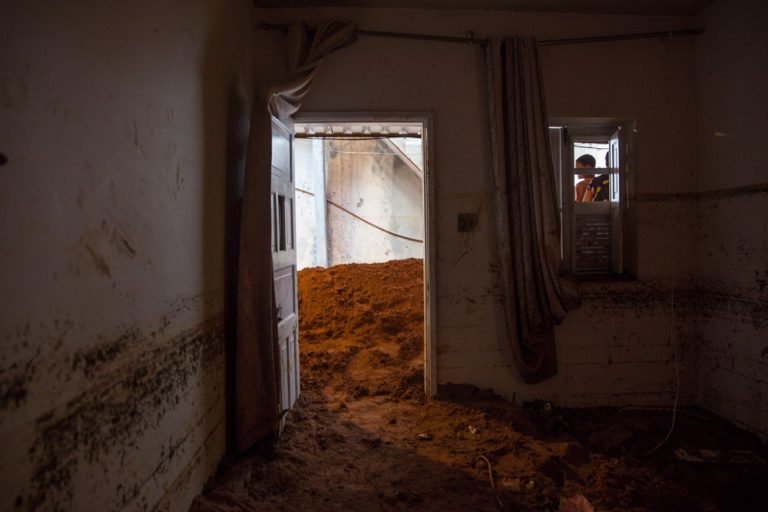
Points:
284	263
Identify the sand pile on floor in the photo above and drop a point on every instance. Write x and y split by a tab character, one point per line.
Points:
361	329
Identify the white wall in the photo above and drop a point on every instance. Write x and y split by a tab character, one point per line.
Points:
308	165
115	120
353	199
618	347
733	212
366	179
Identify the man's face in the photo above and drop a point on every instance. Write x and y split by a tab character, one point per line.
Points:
580	165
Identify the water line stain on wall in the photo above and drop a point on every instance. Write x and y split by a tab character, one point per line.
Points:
116	411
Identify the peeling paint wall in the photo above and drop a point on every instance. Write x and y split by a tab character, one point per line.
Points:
733	212
620	347
116	125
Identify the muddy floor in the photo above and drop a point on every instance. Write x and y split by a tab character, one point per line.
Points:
363	437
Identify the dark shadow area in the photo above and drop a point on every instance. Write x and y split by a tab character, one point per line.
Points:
325	462
237	140
226	116
656	477
631	434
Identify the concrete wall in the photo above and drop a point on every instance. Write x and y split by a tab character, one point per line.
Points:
116	121
368	196
309	175
366	179
733	212
619	347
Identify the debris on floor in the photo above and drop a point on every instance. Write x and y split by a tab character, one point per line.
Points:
703	456
577	503
363	437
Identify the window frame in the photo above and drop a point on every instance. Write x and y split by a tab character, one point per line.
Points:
595	131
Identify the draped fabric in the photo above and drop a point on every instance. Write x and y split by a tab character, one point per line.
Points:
257	366
526	206
305	53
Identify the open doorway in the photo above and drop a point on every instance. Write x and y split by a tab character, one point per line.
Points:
363	203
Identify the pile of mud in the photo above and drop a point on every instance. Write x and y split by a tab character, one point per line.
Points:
361	329
363	437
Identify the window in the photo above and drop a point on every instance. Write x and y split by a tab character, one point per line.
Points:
591	164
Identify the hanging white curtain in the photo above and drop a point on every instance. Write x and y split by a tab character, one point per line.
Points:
526	207
257	366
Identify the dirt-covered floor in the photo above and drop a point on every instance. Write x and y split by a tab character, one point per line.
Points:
363	437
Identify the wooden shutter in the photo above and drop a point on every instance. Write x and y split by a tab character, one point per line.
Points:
592	233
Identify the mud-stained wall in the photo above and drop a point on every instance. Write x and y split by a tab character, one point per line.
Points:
733	212
625	345
620	347
116	127
732	306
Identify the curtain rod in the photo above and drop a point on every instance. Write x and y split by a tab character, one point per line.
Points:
483	41
621	37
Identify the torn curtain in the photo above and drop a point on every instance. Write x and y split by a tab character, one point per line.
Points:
257	366
526	207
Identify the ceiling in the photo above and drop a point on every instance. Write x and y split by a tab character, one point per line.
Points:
648	7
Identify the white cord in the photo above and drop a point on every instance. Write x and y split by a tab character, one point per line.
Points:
490	477
677	377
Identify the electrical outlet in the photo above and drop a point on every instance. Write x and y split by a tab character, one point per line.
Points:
467	222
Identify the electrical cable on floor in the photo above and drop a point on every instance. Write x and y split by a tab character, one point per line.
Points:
490	477
677	379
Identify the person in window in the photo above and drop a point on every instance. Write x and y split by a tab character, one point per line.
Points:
598	187
584	162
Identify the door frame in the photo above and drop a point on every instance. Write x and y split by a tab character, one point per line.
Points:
430	228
